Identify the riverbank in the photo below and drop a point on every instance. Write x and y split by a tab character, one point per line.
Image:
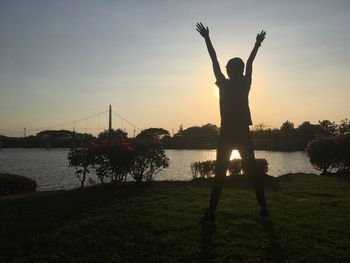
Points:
159	223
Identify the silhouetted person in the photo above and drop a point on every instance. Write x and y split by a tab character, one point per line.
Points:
235	122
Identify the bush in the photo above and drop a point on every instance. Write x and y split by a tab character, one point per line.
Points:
12	184
342	157
143	159
206	169
84	157
149	159
203	169
114	160
330	154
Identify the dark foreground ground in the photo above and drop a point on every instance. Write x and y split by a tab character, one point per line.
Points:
310	222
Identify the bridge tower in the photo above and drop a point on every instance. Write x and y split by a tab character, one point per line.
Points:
110	122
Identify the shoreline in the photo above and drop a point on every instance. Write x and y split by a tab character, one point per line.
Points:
230	180
180	149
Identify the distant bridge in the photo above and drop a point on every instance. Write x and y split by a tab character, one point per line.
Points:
93	124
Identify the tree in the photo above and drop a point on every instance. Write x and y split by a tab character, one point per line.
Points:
308	130
193	131
181	129
62	134
152	132
286	137
115	134
259	127
209	130
287	127
205	136
344	126
328	127
166	141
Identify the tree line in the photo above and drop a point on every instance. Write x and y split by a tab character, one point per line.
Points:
285	138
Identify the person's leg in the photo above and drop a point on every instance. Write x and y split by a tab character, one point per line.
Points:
246	151
222	159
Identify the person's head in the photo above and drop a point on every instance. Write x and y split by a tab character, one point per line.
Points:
235	67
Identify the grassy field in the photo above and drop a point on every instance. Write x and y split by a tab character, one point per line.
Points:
310	222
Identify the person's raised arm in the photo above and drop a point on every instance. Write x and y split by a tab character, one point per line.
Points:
205	34
249	66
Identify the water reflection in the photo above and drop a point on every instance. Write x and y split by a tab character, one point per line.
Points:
235	155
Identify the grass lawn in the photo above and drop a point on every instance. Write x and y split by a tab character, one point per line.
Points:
310	222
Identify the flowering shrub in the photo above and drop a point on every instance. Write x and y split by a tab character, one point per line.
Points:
149	159
329	154
143	159
114	160
206	169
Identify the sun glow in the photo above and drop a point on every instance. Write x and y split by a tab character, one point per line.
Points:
235	155
216	92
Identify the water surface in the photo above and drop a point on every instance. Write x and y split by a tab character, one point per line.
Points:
50	168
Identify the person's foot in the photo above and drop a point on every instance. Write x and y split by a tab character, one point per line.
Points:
208	217
264	212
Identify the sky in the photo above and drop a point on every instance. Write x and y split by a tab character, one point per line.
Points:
61	61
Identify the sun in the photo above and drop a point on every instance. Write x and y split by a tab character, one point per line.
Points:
235	155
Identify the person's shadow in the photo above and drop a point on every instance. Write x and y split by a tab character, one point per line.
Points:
275	251
206	249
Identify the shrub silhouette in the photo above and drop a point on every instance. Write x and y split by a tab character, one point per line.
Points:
206	169
12	184
330	154
82	159
143	159
114	160
149	159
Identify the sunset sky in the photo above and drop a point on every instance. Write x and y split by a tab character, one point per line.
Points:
64	60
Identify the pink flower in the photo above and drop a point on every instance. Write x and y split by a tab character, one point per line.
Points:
127	146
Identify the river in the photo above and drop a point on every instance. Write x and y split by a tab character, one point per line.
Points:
50	168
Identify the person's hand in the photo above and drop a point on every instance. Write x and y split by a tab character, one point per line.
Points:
202	30
260	37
